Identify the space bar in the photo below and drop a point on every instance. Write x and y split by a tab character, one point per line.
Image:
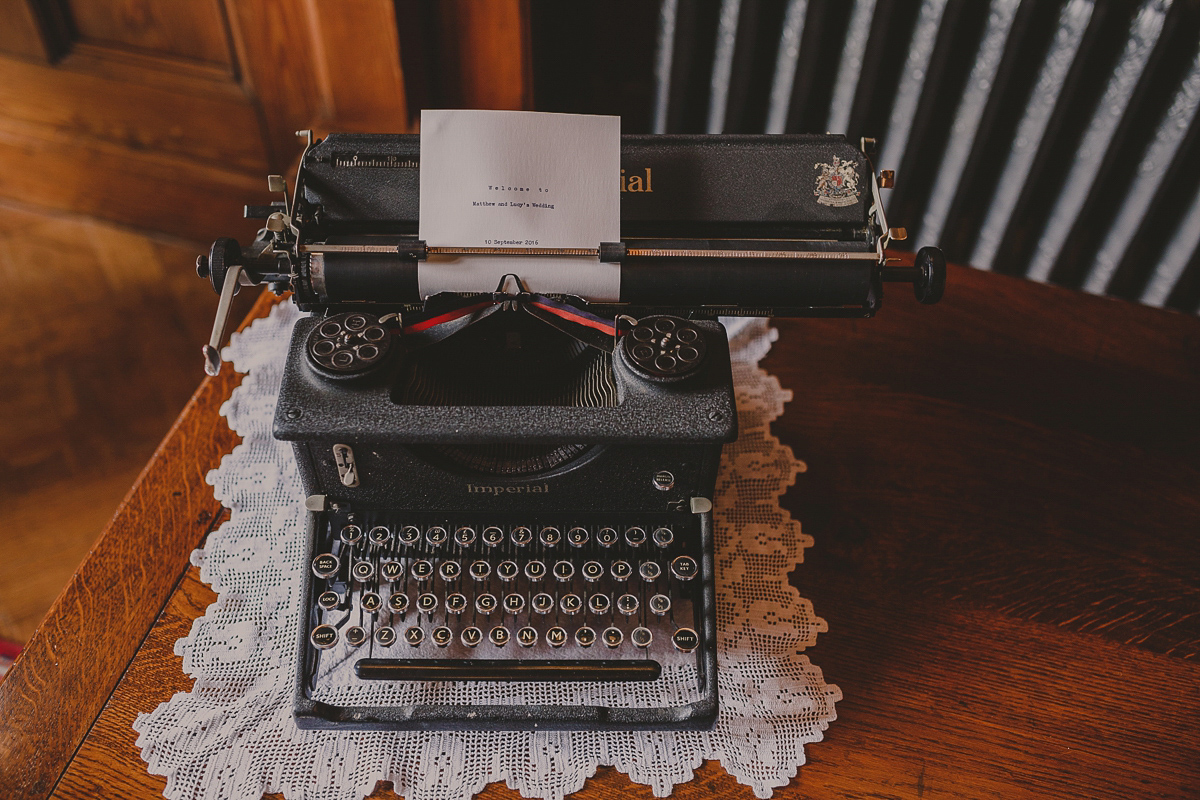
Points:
448	669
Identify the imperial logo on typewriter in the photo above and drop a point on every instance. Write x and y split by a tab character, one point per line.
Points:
475	488
837	183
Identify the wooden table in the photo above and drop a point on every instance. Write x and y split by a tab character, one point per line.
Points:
1004	490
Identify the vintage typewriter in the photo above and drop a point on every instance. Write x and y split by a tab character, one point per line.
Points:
512	488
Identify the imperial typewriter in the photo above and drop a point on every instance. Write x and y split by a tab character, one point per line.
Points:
512	491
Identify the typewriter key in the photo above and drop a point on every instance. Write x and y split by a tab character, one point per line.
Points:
379	535
585	637
514	603
480	570
328	600
599	603
398	602
346	344
685	639
550	536
325	565
627	604
635	536
323	637
499	635
507	570
535	570
409	535
450	570
464	537
485	603
684	568
556	636
371	602
663	536
492	536
649	570
542	603
592	570
527	636
355	635
391	570
570	603
441	635
436	536
385	636
607	537
414	635
422	569
620	570
471	636
521	536
456	603
613	637
642	637
660	604
564	570
350	534
427	602
363	571
577	537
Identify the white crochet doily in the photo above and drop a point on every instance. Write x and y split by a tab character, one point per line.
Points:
232	736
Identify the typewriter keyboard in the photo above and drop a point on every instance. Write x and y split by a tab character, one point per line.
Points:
426	597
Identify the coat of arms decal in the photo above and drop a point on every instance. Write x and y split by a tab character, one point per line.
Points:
837	183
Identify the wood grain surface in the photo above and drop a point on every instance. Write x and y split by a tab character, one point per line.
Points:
1003	493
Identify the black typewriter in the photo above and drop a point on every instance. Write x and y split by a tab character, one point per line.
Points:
513	488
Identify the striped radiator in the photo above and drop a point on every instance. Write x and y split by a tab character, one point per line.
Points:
1056	139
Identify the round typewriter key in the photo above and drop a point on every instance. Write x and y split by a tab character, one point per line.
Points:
441	635
613	637
328	600
464	536
342	359
330	329
521	536
642	333
662	536
649	570
436	536
684	568
414	635
499	635
480	570
627	604
642	637
492	536
409	534
350	534
527	636
391	570
666	363
662	325
385	636
577	537
371	602
323	637
379	535
660	604
427	602
367	351
355	322
585	637
550	536
450	570
422	569
570	603
471	636
325	565
398	602
607	537
685	639
643	352
507	570
620	570
635	536
556	636
542	603
456	603
687	334
485	603
535	570
599	603
355	635
687	353
514	603
564	570
363	570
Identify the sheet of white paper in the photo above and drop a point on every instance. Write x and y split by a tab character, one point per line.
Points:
520	179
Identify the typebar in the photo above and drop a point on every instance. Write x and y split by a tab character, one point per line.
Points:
448	669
